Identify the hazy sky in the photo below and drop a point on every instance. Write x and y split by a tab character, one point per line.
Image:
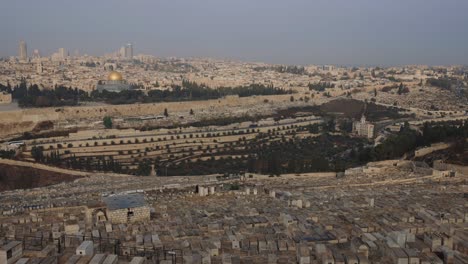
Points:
376	32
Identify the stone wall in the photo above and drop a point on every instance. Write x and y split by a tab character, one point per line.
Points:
441	166
11	252
434	147
120	216
15	122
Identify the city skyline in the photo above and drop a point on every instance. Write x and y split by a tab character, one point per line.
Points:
234	131
324	32
126	52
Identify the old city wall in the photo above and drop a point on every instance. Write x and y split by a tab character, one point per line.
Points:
440	165
428	150
15	122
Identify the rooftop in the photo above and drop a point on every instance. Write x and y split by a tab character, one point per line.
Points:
116	202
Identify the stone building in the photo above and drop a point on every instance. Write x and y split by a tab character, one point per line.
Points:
114	83
86	248
363	128
126	208
11	252
5	98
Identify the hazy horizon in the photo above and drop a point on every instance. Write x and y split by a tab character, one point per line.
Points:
360	32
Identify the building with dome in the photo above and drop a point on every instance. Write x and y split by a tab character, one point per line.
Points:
114	83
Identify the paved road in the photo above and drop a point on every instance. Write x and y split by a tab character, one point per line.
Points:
9	107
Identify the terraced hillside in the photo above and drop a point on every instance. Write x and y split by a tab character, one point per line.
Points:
163	148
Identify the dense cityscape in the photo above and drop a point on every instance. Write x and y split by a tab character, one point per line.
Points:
135	158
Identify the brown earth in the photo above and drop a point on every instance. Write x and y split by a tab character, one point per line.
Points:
44	125
21	177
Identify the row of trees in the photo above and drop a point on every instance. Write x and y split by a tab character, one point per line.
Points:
267	156
408	140
33	96
93	163
81	163
320	86
275	153
7	154
187	92
325	153
444	83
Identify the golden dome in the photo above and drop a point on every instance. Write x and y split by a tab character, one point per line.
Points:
114	76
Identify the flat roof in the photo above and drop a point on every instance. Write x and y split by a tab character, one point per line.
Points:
10	245
123	201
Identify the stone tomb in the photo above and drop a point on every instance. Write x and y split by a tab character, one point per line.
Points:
126	208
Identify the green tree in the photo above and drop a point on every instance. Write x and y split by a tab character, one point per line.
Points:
144	168
331	125
314	128
37	153
107	122
7	154
400	89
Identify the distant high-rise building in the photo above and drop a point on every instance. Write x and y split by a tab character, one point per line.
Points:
23	51
129	51
122	52
63	53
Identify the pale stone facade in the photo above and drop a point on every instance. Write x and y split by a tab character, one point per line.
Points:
129	215
363	128
11	252
127	208
5	98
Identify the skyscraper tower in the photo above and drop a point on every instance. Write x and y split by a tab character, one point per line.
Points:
63	53
122	52
22	51
129	51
